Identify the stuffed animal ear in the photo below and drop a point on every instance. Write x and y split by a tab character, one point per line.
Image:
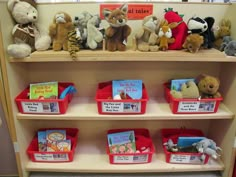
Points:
11	4
200	77
106	13
124	8
164	22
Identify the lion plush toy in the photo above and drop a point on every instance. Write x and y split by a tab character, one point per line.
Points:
146	37
208	86
28	36
58	30
118	31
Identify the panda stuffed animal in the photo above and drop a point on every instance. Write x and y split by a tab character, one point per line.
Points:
204	27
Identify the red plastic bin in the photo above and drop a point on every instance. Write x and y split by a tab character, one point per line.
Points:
132	158
191	106
36	156
182	157
106	105
46	106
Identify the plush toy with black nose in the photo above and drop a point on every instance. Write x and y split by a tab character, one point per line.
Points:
26	33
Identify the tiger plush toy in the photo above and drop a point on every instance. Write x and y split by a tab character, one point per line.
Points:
74	42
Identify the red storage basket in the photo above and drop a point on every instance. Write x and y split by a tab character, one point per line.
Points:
191	106
182	157
106	105
36	156
132	158
46	106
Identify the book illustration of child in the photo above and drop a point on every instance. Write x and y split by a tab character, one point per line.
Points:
122	149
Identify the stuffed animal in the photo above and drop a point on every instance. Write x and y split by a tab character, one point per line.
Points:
230	49
28	36
179	32
188	90
193	43
58	30
224	30
208	86
146	37
74	42
80	23
197	25
165	35
204	27
209	36
95	36
143	144
118	31
225	42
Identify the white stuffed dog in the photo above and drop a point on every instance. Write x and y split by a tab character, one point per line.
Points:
26	33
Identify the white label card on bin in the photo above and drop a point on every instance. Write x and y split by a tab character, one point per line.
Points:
196	106
179	158
51	157
131	159
121	107
40	107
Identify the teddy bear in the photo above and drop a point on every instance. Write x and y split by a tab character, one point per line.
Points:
188	90
146	38
58	30
118	31
230	48
95	35
208	86
224	30
193	43
28	36
165	34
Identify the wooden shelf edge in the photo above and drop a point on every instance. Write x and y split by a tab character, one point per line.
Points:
210	55
85	108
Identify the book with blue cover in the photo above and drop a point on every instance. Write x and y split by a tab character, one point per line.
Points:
188	141
177	83
130	88
122	142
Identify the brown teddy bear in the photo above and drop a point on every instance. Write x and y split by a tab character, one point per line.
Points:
58	30
188	90
118	31
208	86
193	42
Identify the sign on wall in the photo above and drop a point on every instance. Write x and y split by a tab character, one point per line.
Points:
135	11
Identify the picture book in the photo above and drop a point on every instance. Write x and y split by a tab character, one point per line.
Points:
188	141
44	90
42	142
122	142
177	83
52	137
64	145
128	88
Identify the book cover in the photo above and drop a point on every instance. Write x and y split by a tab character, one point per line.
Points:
44	90
188	141
177	83
64	145
42	142
52	137
130	88
122	142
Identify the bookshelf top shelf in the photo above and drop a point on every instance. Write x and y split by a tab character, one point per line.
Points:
210	55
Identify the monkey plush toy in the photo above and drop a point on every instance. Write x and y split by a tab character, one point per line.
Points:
58	30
